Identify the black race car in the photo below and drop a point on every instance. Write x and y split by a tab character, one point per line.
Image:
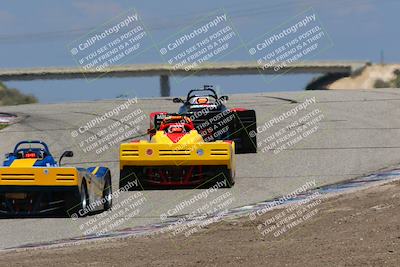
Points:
213	120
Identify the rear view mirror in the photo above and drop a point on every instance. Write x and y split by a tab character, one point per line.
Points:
67	154
224	97
177	100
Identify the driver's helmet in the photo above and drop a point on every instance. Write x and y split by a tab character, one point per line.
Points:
201	100
176	128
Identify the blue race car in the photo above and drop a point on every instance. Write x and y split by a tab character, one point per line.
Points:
33	183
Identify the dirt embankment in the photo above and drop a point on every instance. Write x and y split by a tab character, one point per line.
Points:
367	78
357	229
10	96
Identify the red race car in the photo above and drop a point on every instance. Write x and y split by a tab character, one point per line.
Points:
213	120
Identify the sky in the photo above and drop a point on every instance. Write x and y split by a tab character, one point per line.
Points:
40	34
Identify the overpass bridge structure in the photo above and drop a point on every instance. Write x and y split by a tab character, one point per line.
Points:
164	71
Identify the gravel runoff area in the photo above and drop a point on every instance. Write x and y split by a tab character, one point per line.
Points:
354	229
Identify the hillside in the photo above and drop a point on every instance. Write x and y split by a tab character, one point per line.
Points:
11	96
371	77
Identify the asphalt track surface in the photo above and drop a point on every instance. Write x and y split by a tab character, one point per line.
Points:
359	134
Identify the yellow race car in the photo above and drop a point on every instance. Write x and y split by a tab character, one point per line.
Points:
176	156
33	183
